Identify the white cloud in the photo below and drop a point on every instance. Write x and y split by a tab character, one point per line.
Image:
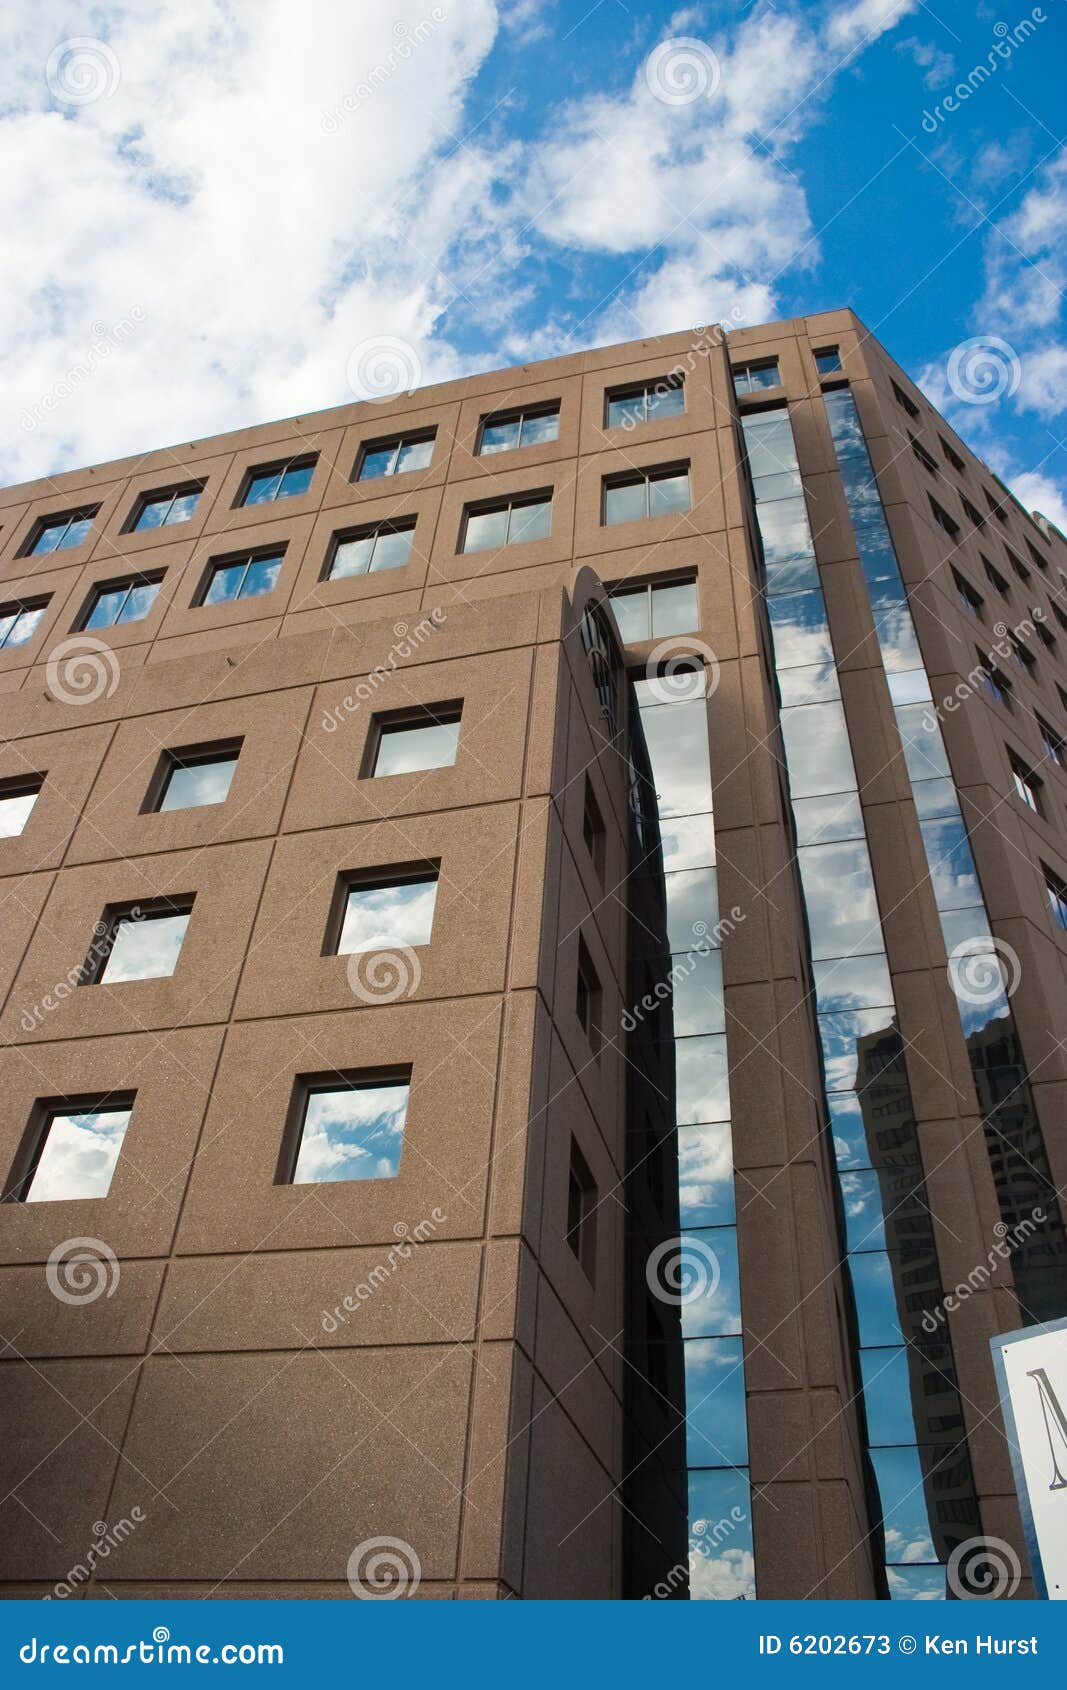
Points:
249	199
933	61
1039	493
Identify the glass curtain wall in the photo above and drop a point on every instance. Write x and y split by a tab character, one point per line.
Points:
673	714
914	1422
1014	1140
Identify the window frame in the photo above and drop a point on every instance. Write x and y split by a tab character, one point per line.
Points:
642	390
279	467
128	584
21	786
1028	785
519	414
367	531
589	999
145	500
510	503
753	366
43	1112
216	565
305	1086
438	714
107	930
397	442
375	879
196	756
20	608
583	1201
645	478
64	519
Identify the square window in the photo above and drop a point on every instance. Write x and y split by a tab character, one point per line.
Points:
387	911
506	430
71	1150
423	739
655	609
828	360
242	578
593	831
653	401
363	551
160	510
752	378
122	601
581	1211
395	457
194	777
655	492
347	1128
137	942
1057	897
19	622
278	481
1028	786
506	522
588	998
17	798
57	533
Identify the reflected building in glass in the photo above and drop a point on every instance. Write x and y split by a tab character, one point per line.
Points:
533	1007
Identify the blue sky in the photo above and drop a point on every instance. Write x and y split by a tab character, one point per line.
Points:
218	216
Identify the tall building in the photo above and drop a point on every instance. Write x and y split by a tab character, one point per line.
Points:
534	922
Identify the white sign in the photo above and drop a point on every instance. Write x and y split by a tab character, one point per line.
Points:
1032	1371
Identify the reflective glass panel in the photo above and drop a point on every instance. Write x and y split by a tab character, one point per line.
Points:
687	842
814	685
530	522
839	893
413	454
190	785
15	810
632	615
702	1082
403	747
706	1175
708	1284
499	436
853	983
852	1050
697	999
626	501
485	529
821	821
692	907
674	609
716	1431
798	624
382	917
353	1132
876	1301
924	751
887	1396
906	1522
79	1156
721	1565
952	870
144	947
817	751
861	1196
677	739
668	493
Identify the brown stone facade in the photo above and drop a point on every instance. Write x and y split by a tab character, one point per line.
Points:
474	1403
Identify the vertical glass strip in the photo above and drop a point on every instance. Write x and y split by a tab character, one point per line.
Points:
673	712
1026	1195
914	1423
